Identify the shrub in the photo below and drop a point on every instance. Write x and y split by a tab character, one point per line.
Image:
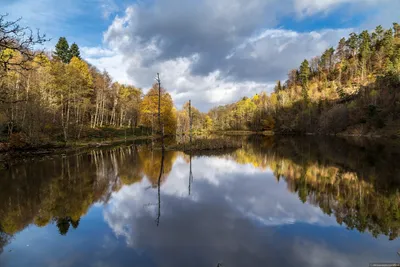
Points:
18	141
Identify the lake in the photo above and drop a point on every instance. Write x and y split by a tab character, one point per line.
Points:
275	202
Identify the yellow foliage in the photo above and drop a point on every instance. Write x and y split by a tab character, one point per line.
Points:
149	111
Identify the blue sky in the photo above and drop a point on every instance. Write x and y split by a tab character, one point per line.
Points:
211	51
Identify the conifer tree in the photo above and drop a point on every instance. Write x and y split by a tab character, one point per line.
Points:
74	51
62	51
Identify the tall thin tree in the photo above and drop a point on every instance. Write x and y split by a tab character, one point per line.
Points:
161	127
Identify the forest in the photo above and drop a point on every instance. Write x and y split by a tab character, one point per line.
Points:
56	96
352	89
338	175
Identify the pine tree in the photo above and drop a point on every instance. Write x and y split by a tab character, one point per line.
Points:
340	51
74	51
278	87
396	28
304	74
365	51
352	43
62	51
377	37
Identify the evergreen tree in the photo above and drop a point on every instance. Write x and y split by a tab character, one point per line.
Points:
304	74
340	51
377	37
396	28
74	51
62	51
365	51
352	43
278	87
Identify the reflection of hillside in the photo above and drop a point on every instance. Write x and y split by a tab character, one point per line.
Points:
353	182
151	160
357	183
4	240
63	189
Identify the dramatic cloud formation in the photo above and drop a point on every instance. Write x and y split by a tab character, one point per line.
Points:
232	208
240	191
213	52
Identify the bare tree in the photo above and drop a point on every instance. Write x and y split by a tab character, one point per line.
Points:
14	37
16	41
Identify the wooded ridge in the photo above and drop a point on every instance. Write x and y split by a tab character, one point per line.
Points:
59	97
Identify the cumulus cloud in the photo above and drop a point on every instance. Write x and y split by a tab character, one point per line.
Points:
90	52
211	52
236	214
231	189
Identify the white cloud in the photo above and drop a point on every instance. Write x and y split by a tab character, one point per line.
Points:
114	64
249	67
243	190
213	52
109	7
310	7
89	52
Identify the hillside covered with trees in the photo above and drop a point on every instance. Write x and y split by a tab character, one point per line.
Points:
58	96
354	87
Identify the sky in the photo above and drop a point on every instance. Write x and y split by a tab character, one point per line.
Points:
213	52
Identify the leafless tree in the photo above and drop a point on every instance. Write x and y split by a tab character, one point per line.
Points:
17	38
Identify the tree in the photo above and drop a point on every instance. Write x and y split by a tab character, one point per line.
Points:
62	51
396	29
74	51
208	123
278	87
365	51
80	82
341	50
304	73
352	44
149	111
17	40
63	225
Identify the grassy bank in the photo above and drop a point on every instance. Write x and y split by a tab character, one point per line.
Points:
206	144
18	142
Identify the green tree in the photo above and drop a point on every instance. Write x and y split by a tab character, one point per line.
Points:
352	44
341	50
62	51
365	51
304	73
278	87
74	51
396	29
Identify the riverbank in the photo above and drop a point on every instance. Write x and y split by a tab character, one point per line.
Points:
240	132
54	148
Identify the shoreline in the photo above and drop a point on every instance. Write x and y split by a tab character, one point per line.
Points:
272	133
56	148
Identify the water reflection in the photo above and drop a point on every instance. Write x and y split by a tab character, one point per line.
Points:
277	201
357	183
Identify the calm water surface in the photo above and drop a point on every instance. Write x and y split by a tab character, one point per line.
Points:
287	202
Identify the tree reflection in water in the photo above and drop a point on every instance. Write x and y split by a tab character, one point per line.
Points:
356	181
159	186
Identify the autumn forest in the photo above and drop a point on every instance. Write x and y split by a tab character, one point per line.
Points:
56	96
